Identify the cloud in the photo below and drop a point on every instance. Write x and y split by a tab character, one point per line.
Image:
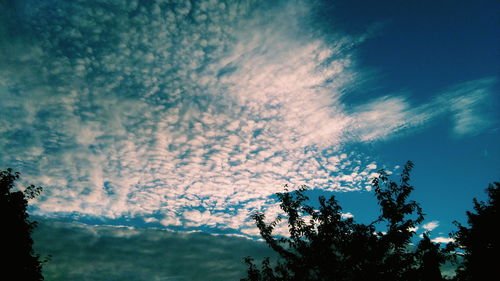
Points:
442	240
190	114
189	121
413	229
390	116
380	118
430	226
469	104
347	215
85	252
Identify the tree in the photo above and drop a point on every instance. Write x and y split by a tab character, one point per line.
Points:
322	245
479	243
429	257
19	261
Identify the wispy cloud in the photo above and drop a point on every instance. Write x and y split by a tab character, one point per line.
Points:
469	103
430	226
391	116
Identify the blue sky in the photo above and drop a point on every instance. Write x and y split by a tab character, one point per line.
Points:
191	115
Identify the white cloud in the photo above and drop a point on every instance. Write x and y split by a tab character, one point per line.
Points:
381	117
389	116
251	231
442	240
347	215
152	220
468	103
430	226
199	120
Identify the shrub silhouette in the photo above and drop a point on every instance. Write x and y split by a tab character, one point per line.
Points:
322	245
19	262
479	242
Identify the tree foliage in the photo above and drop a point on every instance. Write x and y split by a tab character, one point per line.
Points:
322	245
479	243
19	261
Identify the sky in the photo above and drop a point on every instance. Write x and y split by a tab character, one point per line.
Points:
190	115
105	253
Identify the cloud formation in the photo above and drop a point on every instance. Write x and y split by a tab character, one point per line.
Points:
84	252
191	113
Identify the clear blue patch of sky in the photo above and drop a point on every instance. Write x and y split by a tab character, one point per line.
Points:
362	204
449	172
418	46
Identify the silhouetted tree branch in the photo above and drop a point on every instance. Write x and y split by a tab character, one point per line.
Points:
322	245
19	261
479	243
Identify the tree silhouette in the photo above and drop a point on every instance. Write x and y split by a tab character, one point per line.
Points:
479	243
322	245
19	261
429	257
